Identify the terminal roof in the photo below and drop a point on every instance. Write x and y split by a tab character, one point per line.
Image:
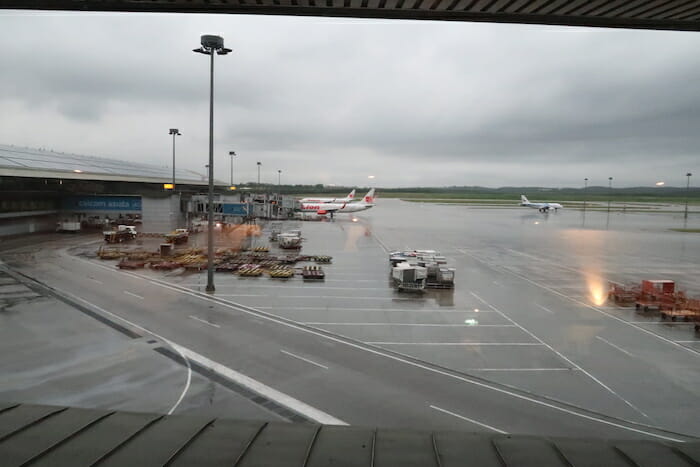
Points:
40	163
683	15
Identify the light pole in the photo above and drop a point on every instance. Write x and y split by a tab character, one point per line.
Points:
609	192
585	192
175	132
279	178
211	45
687	195
232	154
259	164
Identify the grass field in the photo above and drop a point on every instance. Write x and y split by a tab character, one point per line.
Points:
542	196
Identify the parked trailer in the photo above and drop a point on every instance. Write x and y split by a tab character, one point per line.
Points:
408	277
624	295
290	240
178	236
438	276
122	234
687	309
656	294
313	273
444	278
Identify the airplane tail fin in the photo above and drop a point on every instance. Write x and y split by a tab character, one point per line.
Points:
351	195
369	197
523	199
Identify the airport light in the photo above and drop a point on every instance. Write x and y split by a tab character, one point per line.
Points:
660	183
78	171
610	179
175	132
687	197
168	186
232	154
211	45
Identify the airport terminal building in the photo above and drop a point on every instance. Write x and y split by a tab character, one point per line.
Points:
40	190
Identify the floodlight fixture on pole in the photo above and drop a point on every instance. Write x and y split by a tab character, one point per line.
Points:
259	164
610	179
585	192
211	45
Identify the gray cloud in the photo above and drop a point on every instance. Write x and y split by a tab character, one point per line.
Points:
331	101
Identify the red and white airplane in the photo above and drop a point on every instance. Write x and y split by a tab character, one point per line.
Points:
322	209
347	199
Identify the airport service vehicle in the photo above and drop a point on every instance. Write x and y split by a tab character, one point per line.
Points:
438	275
409	277
541	207
414	255
177	236
322	209
290	240
121	234
68	226
347	199
275	230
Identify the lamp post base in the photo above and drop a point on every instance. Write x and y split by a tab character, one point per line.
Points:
210	288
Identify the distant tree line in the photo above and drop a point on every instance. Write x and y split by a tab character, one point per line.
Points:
533	192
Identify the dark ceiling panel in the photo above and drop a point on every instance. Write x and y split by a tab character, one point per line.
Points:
679	15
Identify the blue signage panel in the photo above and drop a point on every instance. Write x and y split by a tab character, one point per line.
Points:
235	209
101	203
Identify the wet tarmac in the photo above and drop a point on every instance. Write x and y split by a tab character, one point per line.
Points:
527	309
527	312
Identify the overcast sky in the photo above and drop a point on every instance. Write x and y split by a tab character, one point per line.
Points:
335	100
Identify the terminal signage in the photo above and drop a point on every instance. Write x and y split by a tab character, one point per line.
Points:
235	209
101	203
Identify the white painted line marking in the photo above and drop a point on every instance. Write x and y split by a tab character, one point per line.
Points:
613	345
484	425
567	360
171	344
457	343
439	325
688	342
522	369
674	323
263	315
397	299
598	309
205	321
95	280
302	286
304	359
133	295
243	380
404	310
260	388
544	308
243	295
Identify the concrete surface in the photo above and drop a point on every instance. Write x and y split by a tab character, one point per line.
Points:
539	355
